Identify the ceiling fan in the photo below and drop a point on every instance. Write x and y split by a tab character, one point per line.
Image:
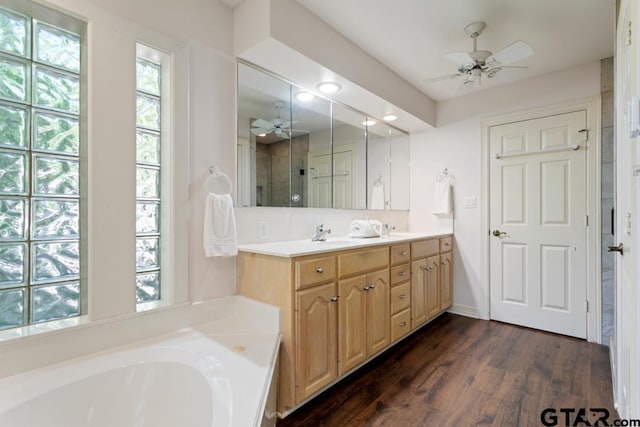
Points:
281	128
477	63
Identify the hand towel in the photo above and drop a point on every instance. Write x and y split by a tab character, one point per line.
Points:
377	197
219	237
442	197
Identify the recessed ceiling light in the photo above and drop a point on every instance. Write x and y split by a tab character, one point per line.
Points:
389	117
369	122
262	134
329	87
304	96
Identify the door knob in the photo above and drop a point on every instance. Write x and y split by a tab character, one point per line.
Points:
618	248
498	233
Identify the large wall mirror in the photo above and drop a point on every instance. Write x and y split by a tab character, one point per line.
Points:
299	150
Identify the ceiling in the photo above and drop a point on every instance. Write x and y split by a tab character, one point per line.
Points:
411	36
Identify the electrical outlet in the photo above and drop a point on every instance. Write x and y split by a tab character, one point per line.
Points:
263	229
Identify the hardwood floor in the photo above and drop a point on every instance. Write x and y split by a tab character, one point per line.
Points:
459	371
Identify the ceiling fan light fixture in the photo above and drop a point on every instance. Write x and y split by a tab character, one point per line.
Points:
304	96
329	87
389	117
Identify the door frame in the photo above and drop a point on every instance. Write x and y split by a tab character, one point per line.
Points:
592	106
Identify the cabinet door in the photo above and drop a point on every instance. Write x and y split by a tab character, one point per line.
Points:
446	284
418	280
316	339
352	332
432	286
378	311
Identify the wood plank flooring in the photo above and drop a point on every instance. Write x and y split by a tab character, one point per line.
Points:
458	371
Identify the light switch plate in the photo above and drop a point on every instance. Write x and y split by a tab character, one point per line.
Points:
469	203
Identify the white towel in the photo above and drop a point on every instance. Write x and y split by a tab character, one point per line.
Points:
442	197
377	197
219	237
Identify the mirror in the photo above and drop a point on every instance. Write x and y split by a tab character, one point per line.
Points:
387	167
300	150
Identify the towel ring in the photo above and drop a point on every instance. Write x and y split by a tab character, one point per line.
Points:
217	182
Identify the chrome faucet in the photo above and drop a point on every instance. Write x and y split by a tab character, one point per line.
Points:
321	233
386	229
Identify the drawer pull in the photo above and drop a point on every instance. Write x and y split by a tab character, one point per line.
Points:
403	296
319	270
403	324
403	253
446	244
402	273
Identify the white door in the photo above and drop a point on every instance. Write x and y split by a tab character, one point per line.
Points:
343	180
627	335
320	182
538	205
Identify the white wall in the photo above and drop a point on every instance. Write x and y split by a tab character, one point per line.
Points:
456	144
201	32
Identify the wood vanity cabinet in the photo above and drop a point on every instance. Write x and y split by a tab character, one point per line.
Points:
315	337
340	308
364	318
431	269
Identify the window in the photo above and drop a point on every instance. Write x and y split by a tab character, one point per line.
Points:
151	117
40	151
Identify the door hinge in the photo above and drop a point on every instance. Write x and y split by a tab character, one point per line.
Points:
628	33
586	220
586	134
586	305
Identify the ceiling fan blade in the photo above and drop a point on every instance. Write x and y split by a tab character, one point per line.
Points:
440	78
260	131
460	58
281	133
514	52
260	123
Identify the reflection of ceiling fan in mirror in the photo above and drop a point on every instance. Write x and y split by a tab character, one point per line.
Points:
477	63
278	126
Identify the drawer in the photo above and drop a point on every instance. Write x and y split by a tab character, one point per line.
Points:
446	244
400	253
400	297
425	248
364	260
400	324
400	273
314	270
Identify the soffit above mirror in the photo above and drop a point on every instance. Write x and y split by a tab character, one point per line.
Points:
304	50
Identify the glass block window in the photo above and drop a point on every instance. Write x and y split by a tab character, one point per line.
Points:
39	171
149	118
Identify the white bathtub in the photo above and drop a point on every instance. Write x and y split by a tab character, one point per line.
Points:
194	377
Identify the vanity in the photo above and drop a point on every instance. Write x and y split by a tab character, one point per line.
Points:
343	301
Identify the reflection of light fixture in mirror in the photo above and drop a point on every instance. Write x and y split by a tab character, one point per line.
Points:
262	134
304	96
389	117
329	87
369	122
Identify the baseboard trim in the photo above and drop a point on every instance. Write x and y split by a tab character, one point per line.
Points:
465	310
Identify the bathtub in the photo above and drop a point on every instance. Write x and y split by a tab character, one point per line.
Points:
199	376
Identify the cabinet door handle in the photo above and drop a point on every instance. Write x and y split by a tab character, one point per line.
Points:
444	263
319	270
372	286
403	324
334	299
403	296
366	288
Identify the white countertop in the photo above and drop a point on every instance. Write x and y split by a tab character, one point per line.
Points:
294	248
